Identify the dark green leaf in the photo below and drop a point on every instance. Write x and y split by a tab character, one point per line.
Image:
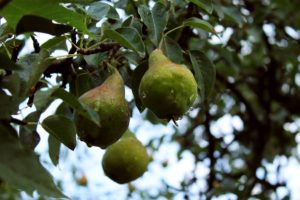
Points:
33	67
204	4
8	105
21	168
55	44
132	58
98	10
42	99
172	50
3	3
78	1
83	83
133	23
54	148
155	20
72	101
50	9
135	82
95	59
62	128
127	37
40	25
198	23
234	14
5	32
12	83
29	137
6	63
65	110
205	72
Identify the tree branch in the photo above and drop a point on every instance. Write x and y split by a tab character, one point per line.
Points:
101	48
17	121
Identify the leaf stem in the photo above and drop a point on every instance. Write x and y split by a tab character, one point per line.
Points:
18	121
96	44
174	29
165	34
161	42
72	43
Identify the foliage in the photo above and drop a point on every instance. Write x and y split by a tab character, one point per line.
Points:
244	55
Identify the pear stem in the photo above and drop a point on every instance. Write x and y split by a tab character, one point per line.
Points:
161	42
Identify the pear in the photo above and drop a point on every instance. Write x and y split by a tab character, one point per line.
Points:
125	160
167	89
108	100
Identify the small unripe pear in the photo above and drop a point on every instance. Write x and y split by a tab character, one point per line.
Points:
108	100
167	89
125	160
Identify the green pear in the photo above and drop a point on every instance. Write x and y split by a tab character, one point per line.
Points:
167	89
108	100
125	160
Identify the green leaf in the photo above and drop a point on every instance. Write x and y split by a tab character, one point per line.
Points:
54	149
29	137
135	82
133	22
205	72
33	66
6	63
5	32
132	58
83	83
62	128
95	59
72	101
77	1
42	99
204	4
65	110
234	14
127	37
155	20
172	50
55	44
3	3
12	83
50	9
99	10
8	104
198	23
21	168
40	25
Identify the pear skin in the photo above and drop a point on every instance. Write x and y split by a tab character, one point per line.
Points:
125	160
167	89
108	100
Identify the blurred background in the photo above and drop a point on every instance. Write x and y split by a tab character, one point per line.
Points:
241	142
